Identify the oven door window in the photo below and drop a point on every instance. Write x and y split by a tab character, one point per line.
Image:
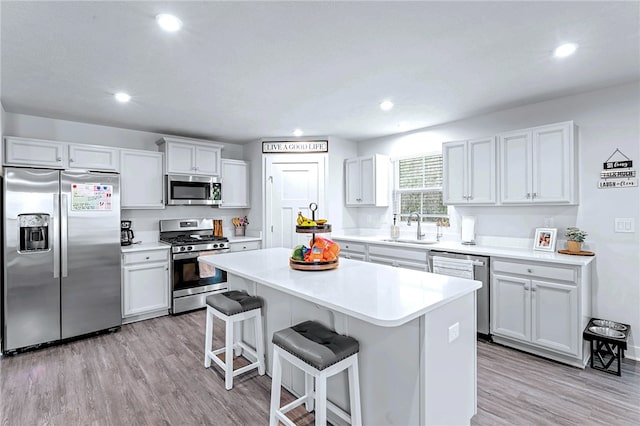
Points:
187	273
190	191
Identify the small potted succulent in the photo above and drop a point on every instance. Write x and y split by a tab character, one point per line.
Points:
575	238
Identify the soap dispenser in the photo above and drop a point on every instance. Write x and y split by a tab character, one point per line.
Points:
395	229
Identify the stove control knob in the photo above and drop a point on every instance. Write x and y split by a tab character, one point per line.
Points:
182	249
190	248
215	246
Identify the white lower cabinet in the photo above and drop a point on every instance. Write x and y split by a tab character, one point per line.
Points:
145	284
350	250
541	308
401	257
398	256
244	245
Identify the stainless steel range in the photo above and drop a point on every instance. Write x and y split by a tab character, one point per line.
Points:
191	283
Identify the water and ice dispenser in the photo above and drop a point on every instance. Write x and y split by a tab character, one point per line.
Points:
34	232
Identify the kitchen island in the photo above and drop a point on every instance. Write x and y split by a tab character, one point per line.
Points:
417	331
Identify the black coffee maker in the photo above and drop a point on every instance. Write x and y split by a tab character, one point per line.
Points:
126	234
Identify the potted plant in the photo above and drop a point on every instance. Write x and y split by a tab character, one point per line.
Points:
575	238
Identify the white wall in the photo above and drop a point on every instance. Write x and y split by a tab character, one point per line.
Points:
2	118
30	126
145	222
607	119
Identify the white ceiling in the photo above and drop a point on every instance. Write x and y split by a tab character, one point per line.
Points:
244	70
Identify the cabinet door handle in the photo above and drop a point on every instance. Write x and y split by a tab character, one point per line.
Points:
58	158
534	195
528	195
70	160
469	197
533	289
529	270
147	258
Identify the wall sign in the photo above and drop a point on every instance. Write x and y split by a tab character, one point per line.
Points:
617	173
91	196
295	147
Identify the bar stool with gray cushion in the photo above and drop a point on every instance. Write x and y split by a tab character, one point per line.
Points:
320	353
232	307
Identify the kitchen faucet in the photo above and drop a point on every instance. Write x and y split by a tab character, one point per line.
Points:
419	233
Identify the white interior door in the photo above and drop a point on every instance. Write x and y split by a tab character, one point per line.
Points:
292	182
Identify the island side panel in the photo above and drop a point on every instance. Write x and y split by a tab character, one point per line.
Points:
389	356
450	378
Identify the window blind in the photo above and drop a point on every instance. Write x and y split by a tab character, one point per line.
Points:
419	188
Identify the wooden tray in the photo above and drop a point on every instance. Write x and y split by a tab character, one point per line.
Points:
577	253
301	265
313	229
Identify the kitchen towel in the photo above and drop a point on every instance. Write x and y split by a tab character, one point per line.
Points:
207	270
460	268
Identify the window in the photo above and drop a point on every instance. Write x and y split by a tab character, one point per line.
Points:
418	188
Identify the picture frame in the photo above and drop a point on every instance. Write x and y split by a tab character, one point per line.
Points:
545	239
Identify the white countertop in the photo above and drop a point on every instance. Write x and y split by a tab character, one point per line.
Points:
145	246
505	252
378	294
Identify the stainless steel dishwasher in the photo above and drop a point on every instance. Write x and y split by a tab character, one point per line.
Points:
480	273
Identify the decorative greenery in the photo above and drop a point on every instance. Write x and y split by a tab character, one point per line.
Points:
575	234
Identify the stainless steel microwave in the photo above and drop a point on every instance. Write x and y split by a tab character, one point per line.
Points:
193	190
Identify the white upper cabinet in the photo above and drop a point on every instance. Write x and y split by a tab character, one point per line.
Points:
141	179
235	184
59	155
367	181
469	171
35	152
93	157
539	165
191	158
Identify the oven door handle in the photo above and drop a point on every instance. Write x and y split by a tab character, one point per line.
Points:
193	255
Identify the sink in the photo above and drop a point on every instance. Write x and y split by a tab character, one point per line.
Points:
406	241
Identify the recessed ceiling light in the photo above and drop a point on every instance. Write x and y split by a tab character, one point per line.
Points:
386	105
298	132
168	22
122	97
565	50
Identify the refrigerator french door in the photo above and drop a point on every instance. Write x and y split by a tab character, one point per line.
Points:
61	255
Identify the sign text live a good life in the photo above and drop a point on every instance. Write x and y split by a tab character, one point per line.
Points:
298	147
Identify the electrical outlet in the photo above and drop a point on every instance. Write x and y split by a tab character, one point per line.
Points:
624	224
454	332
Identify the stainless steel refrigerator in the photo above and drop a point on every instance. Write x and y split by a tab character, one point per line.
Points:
61	255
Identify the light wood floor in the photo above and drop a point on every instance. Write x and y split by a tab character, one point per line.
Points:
151	373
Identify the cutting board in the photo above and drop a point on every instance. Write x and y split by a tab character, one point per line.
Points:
577	253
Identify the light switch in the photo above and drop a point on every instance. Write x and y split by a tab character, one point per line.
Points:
454	332
625	224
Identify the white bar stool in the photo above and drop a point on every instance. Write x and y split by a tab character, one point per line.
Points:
232	307
320	353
